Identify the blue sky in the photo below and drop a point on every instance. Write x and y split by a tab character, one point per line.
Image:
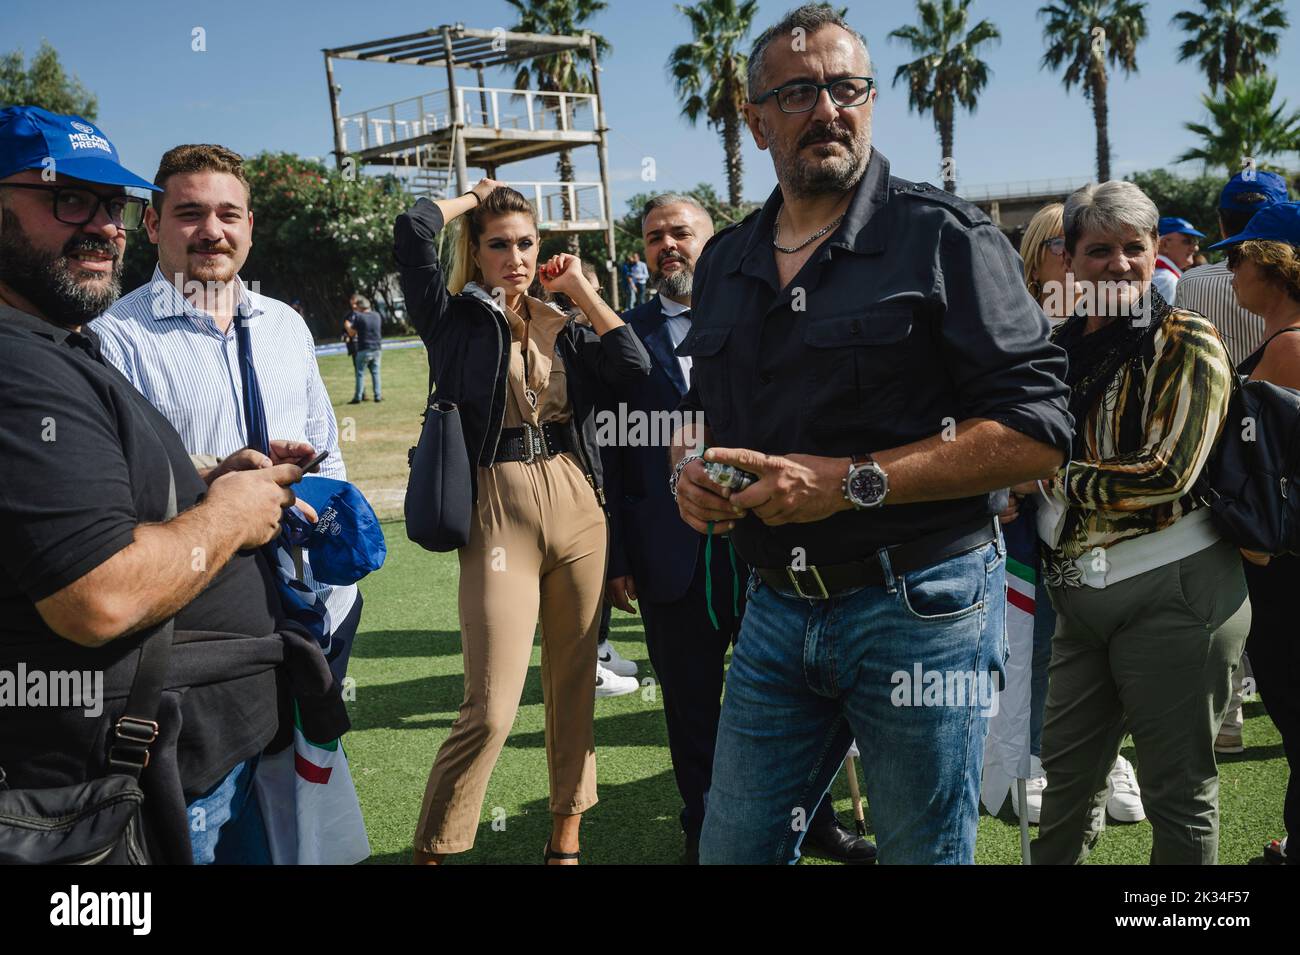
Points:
260	85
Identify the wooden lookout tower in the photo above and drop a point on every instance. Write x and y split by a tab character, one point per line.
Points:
432	140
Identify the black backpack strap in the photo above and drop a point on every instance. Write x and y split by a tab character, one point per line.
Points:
137	727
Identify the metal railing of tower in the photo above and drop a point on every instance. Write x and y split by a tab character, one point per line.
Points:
476	128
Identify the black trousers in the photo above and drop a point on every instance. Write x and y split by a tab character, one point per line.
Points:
1275	659
687	654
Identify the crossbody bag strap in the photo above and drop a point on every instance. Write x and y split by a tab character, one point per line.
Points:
137	727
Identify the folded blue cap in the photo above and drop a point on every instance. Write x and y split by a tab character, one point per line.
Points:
1261	189
1170	225
31	137
1279	222
346	542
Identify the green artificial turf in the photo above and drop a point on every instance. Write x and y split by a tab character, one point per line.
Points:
407	667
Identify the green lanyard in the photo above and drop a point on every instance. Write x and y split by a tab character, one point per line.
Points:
708	576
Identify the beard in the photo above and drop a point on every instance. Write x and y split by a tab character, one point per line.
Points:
826	174
677	284
49	281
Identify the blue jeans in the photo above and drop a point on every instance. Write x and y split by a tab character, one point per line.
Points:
807	676
363	360
226	824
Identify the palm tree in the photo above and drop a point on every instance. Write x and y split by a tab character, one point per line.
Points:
559	72
947	71
1244	125
1085	35
709	75
1231	37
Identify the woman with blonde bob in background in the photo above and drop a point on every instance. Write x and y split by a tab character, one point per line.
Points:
526	378
1043	252
1265	263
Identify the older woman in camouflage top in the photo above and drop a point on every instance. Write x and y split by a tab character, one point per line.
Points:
1151	602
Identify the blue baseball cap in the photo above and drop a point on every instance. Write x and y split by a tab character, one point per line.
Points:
1279	222
30	137
1250	195
1171	225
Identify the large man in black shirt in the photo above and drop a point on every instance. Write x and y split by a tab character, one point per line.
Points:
865	347
89	566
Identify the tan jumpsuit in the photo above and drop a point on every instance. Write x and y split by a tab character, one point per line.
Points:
539	537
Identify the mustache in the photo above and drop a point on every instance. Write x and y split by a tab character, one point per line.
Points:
829	131
671	257
211	247
90	243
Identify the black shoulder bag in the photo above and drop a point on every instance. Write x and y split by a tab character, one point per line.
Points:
96	822
1250	481
438	495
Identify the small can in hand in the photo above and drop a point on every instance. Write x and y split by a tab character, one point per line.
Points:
725	475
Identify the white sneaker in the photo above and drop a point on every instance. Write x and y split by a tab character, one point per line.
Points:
1034	786
1125	801
609	683
609	658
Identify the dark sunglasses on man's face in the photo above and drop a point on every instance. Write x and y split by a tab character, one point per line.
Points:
75	206
800	96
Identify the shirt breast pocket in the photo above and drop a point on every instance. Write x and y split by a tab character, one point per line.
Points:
858	366
706	347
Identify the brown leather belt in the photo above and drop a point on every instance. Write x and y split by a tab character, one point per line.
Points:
821	583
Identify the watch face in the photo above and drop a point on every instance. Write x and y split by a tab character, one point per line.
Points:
867	486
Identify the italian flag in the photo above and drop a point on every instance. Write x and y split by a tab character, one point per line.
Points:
313	762
1021	581
1006	750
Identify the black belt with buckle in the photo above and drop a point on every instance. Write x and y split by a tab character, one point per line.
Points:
527	444
821	583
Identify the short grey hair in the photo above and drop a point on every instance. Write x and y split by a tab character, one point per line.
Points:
670	199
1108	207
810	18
361	301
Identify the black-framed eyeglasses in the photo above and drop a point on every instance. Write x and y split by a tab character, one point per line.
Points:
800	96
76	206
1056	246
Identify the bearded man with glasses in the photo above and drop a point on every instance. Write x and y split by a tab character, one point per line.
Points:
865	347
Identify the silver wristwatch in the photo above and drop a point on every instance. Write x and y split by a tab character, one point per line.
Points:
677	472
866	483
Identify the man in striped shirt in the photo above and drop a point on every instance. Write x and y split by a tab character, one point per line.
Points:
176	340
1208	289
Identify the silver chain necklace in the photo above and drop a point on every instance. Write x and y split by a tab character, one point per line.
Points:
776	232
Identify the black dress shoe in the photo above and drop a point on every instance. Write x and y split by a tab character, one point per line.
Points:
834	841
692	854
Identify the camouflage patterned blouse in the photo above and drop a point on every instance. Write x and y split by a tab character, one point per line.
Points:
1113	496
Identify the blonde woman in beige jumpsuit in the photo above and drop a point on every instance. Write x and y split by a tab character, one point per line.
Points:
538	531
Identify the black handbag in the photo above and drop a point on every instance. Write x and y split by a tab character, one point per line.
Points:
439	498
97	822
1249	481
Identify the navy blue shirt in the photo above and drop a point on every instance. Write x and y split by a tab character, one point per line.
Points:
369	330
913	316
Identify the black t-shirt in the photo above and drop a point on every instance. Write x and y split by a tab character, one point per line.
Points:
83	461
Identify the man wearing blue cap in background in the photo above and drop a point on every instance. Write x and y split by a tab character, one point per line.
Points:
92	561
1208	289
1179	240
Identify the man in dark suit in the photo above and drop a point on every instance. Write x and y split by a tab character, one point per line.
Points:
656	559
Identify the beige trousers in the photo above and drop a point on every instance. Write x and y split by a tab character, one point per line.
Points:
538	542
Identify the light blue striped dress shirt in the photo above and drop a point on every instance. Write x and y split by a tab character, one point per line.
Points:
188	369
